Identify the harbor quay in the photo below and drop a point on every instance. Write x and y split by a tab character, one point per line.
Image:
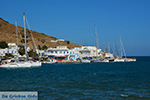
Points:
60	54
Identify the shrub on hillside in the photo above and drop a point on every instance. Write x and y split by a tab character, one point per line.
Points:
44	47
3	45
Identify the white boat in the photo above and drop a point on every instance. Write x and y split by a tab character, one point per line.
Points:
30	63
122	50
35	64
16	65
119	60
98	59
45	62
105	60
25	64
85	61
50	62
131	59
9	65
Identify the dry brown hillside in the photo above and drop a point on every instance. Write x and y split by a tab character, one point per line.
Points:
8	34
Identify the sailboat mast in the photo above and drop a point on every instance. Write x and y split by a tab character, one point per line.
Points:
103	47
25	35
16	36
108	47
120	47
123	50
96	40
113	46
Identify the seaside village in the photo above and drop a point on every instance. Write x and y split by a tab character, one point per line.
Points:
62	54
11	57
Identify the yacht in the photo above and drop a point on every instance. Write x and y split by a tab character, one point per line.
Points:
18	64
98	59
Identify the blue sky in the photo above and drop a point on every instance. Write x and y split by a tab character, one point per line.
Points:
74	20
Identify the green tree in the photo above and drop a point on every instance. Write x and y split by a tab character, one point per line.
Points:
3	45
21	50
68	42
31	53
7	55
43	41
23	40
39	47
44	47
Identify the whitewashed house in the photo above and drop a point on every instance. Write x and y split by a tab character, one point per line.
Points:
89	51
11	49
59	53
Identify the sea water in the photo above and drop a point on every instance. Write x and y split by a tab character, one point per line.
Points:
82	81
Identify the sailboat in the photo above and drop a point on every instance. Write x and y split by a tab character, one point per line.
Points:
31	63
97	46
18	64
122	51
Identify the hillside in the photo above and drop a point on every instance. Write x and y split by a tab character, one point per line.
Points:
8	34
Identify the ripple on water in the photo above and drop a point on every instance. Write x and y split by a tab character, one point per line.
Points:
95	81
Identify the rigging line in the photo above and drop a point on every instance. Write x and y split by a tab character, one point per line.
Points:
111	51
34	44
108	47
116	48
113	47
123	49
19	33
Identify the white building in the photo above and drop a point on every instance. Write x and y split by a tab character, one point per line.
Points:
63	53
11	49
74	54
109	55
89	51
59	53
59	40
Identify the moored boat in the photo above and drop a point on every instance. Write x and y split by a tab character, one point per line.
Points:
85	61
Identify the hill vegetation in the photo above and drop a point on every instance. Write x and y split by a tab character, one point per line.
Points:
8	34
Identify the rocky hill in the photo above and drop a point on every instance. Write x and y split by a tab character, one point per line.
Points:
8	34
